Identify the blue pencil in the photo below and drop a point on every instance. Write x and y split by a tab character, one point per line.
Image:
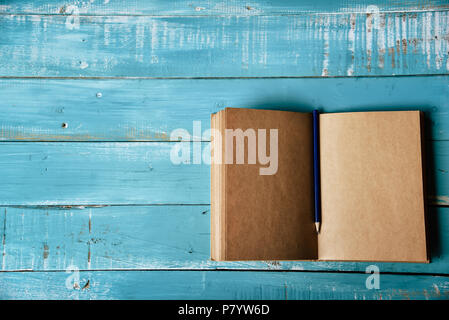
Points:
316	169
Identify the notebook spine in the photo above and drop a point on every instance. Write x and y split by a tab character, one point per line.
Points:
217	189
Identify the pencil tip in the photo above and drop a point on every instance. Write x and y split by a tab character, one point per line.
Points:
317	226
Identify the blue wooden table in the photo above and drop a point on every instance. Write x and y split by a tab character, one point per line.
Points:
91	207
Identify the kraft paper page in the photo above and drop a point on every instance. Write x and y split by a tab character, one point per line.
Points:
270	217
372	187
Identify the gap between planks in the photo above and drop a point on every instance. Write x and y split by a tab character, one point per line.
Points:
220	15
87	206
224	78
129	141
228	270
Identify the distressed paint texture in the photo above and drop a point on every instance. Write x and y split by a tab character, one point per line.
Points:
211	7
99	173
149	110
156	237
217	285
81	191
64	173
357	44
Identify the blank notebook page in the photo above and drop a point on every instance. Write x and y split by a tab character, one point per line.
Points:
372	187
270	217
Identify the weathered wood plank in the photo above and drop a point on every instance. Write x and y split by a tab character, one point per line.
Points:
216	285
156	237
125	173
436	174
148	110
208	7
131	237
98	173
315	45
65	173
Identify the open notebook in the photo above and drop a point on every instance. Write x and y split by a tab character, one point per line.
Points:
372	187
